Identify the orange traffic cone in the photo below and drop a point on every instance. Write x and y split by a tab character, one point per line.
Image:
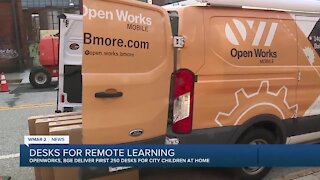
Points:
4	84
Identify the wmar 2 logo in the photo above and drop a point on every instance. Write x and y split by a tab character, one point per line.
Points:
236	28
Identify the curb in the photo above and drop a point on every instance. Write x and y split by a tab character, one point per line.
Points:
10	81
299	174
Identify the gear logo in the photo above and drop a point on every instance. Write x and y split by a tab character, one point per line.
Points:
309	54
263	97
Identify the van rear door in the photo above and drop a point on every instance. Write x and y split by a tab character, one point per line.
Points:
127	64
70	61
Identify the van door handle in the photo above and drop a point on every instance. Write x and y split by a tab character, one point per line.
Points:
108	94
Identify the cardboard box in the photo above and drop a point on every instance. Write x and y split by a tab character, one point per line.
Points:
72	173
42	128
64	123
42	125
55	115
74	131
32	119
32	131
75	137
46	173
130	174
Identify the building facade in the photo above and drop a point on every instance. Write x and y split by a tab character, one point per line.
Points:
13	50
25	21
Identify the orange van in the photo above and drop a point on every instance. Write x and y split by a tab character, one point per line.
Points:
199	74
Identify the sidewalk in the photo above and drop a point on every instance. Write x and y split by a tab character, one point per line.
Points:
18	77
21	78
307	174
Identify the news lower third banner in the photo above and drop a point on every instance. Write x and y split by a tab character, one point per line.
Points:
169	155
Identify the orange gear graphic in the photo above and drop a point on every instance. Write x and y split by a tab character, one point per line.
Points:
263	97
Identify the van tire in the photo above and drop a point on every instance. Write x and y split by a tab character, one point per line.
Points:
40	77
254	136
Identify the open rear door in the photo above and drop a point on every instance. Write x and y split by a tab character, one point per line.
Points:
127	64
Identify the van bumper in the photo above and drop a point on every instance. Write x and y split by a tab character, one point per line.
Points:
219	135
96	172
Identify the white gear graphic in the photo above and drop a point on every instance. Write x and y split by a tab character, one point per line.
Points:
310	54
242	96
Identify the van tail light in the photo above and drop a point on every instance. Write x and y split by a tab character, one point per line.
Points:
183	101
62	98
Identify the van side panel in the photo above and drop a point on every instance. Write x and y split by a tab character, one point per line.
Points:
191	56
309	65
250	67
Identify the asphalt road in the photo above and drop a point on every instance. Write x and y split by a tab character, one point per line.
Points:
15	108
24	101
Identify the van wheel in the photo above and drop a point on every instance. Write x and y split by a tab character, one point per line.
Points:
255	136
40	77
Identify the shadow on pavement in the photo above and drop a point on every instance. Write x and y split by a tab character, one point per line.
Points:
28	88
